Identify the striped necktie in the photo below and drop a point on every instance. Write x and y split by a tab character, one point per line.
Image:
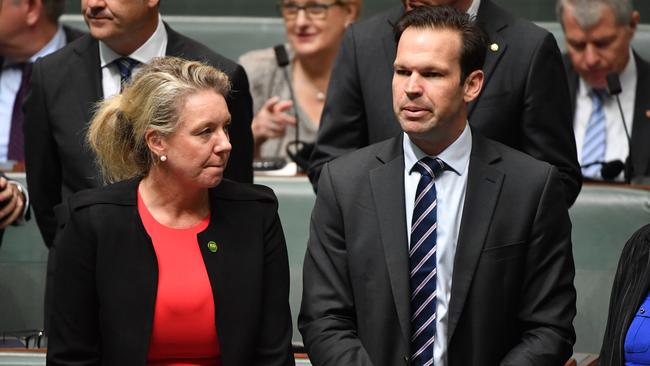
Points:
595	142
422	262
125	65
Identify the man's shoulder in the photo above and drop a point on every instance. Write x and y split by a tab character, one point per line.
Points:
378	25
513	28
61	57
507	159
183	46
641	63
367	158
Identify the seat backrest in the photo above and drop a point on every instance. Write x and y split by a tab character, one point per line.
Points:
229	36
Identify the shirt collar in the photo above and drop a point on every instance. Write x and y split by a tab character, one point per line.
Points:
626	77
473	9
152	48
57	41
456	155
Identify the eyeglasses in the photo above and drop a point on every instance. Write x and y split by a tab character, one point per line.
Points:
313	10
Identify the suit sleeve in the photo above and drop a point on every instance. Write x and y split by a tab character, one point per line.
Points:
240	103
343	126
327	318
42	165
74	321
548	300
547	116
274	347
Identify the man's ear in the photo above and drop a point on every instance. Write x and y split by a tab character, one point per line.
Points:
34	12
634	21
473	85
155	142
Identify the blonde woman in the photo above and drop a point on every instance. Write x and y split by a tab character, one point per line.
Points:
173	265
314	31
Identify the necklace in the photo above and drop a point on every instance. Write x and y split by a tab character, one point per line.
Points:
320	96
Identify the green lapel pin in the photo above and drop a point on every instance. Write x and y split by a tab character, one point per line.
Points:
212	245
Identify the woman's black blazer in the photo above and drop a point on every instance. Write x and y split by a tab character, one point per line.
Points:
106	276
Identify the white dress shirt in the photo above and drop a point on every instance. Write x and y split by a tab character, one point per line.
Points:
10	78
155	46
616	145
450	193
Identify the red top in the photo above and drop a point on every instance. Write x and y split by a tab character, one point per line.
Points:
184	331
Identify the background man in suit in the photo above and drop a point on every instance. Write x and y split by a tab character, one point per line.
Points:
472	252
524	104
598	35
67	84
28	30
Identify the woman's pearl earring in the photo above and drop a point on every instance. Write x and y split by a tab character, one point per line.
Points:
163	158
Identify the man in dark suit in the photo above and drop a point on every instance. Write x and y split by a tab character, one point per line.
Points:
66	85
28	30
524	103
439	232
598	35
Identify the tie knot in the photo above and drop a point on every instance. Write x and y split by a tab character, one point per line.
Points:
125	65
429	166
598	96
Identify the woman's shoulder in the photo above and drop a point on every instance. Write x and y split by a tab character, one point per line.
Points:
120	193
261	62
258	58
235	191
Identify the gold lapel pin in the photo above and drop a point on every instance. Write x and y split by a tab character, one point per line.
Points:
212	246
494	47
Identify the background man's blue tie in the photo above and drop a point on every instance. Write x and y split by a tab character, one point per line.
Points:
595	142
422	262
126	66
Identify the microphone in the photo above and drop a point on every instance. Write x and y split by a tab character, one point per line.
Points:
282	59
614	87
302	151
281	56
609	169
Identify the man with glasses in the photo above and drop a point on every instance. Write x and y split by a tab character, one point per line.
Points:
598	35
525	102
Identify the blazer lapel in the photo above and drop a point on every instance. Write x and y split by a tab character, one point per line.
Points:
387	184
483	189
492	20
87	76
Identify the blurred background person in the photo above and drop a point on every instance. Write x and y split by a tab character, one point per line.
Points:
627	334
29	29
598	35
175	264
314	31
524	103
66	85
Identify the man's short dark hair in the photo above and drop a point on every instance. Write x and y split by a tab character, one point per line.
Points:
472	54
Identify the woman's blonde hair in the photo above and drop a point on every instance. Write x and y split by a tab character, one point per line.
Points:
151	101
